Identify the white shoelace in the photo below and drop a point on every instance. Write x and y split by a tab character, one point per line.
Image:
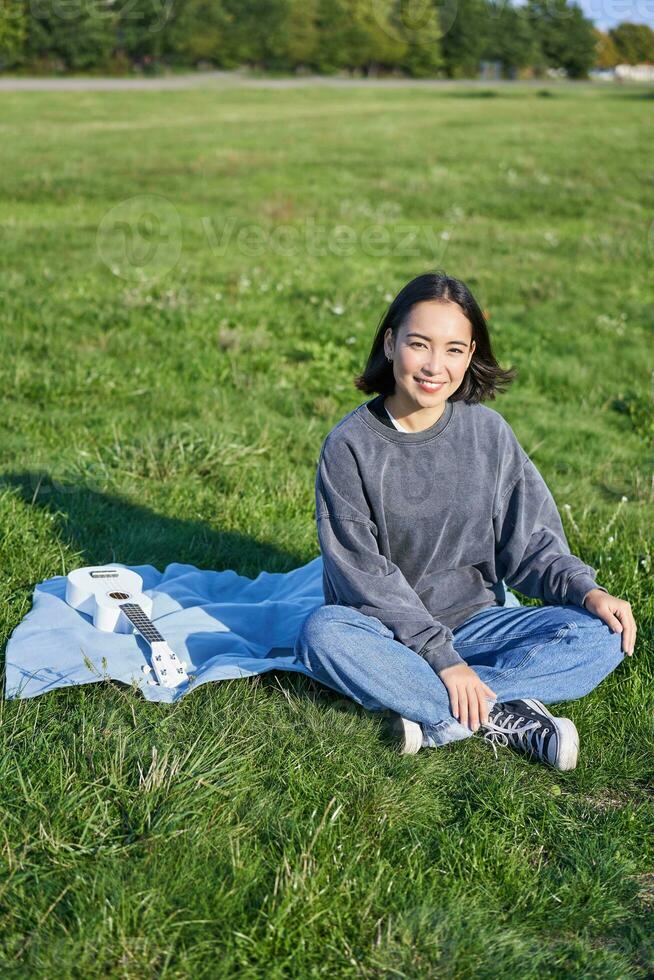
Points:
500	733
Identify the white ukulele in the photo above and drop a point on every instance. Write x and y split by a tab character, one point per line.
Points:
113	597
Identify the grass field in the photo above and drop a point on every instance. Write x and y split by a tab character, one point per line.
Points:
170	367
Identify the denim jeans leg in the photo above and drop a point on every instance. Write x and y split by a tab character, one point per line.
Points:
358	656
552	653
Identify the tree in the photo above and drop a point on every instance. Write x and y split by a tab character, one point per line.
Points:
606	52
198	31
79	33
300	34
423	38
337	47
141	26
463	41
13	32
565	36
250	26
509	37
634	43
376	40
418	26
423	60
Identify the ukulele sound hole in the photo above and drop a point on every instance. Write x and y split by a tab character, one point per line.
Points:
118	595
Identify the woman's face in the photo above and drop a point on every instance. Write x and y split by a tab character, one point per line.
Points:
442	352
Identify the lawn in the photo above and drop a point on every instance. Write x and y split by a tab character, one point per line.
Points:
170	367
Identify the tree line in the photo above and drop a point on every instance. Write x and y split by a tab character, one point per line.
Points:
446	39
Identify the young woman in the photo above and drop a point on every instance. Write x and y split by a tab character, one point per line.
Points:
426	505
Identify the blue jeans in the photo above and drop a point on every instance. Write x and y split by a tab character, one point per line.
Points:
552	653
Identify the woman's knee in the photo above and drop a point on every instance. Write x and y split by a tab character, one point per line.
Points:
606	640
610	648
317	631
602	648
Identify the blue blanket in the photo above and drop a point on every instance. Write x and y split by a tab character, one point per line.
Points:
223	624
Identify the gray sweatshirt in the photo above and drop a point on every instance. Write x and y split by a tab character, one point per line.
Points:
419	529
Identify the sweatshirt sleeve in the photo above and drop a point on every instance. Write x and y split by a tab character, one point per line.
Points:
358	575
531	551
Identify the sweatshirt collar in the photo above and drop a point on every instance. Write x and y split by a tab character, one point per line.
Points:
369	413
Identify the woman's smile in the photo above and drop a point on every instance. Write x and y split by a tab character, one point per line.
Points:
429	386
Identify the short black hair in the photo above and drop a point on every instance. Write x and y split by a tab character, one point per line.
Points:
484	376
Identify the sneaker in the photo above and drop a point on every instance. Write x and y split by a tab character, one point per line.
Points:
405	734
528	726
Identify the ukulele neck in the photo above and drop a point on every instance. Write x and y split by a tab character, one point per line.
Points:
140	621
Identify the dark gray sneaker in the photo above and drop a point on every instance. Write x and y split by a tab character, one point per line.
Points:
528	726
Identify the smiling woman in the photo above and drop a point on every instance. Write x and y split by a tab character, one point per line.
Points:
427	370
433	331
426	505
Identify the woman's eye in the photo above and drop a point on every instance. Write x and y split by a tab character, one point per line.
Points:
453	350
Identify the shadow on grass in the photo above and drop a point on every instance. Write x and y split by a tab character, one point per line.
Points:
103	528
483	93
647	94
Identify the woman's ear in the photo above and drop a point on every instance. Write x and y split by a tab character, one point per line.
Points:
472	350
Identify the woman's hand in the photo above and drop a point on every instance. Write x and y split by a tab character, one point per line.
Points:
468	695
616	613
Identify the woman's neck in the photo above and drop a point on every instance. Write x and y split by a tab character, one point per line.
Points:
415	421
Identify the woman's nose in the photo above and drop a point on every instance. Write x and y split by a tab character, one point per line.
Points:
435	366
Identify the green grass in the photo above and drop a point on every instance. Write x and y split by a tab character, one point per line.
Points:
262	827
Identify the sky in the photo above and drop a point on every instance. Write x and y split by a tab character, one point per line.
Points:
608	13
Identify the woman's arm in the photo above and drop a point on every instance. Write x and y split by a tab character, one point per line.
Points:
532	554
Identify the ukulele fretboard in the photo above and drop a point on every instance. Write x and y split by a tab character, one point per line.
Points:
138	618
